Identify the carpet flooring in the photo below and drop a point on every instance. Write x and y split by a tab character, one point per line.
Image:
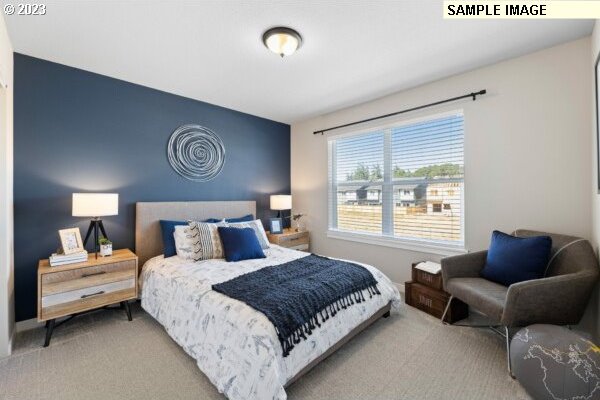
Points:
407	356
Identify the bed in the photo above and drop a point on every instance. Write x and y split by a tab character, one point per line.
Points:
234	345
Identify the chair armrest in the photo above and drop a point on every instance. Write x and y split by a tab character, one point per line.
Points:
463	266
558	300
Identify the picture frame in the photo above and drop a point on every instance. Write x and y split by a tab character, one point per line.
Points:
597	83
276	225
70	240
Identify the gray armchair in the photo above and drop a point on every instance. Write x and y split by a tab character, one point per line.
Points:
559	298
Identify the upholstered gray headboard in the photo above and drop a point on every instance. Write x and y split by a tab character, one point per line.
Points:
148	237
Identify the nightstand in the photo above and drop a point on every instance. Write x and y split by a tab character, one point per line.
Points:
69	290
291	239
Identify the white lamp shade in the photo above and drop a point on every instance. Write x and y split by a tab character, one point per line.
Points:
281	202
95	204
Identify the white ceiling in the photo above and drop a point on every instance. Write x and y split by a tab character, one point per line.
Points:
353	51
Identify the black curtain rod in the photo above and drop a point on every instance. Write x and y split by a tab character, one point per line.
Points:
472	94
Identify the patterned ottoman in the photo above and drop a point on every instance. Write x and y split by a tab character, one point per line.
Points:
552	362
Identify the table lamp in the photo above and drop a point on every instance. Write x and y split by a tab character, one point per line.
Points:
95	205
281	202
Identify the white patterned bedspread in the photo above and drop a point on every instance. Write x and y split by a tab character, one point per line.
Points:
235	346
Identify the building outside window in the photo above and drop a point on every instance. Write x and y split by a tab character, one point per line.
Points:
400	182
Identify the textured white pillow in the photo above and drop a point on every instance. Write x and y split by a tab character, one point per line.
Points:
257	225
183	242
205	240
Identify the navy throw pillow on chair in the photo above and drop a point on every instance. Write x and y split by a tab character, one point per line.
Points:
240	244
512	259
168	229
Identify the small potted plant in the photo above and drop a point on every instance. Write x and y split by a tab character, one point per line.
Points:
105	247
299	224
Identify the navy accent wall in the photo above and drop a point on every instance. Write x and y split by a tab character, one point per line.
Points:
77	131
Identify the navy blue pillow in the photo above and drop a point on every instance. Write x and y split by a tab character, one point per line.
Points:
168	229
513	259
240	244
245	218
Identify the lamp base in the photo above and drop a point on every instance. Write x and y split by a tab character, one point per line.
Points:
284	219
95	224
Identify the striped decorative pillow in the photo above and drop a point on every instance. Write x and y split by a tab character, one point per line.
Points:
206	243
257	225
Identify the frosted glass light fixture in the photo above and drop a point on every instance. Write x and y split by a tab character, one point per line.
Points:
282	41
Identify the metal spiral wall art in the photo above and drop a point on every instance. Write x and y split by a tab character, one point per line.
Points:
196	153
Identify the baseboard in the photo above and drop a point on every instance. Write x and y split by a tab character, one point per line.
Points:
11	341
400	287
9	347
28	324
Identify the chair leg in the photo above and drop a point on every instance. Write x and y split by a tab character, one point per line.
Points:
446	309
507	335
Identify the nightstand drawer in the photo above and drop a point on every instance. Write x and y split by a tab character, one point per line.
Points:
88	272
293	240
87	303
301	247
88	279
88	292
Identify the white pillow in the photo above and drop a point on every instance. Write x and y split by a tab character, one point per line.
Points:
183	242
257	225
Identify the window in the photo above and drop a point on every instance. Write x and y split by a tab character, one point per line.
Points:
402	183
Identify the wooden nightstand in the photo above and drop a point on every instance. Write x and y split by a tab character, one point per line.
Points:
291	239
68	290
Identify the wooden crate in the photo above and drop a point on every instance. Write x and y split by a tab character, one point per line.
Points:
434	302
433	281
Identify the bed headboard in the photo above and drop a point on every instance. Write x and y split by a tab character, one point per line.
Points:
148	237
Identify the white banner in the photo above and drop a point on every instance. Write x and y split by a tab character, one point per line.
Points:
549	9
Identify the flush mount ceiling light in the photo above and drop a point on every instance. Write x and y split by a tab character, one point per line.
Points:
282	41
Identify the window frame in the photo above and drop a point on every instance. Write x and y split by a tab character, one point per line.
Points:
385	238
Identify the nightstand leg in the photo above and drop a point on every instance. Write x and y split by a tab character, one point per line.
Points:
49	328
127	309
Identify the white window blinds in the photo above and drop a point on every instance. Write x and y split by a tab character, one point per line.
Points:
401	181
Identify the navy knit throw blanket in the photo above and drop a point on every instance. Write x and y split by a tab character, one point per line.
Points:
300	295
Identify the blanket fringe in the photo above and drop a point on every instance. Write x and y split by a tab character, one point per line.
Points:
330	310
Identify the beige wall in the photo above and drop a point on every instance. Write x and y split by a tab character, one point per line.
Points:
7	319
591	319
527	158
